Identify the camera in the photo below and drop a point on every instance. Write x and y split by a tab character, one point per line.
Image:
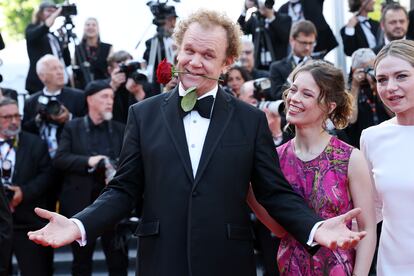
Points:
133	70
49	106
370	72
260	88
6	168
105	170
161	11
68	10
276	107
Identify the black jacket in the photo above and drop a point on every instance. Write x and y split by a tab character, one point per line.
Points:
278	32
32	174
313	11
279	72
197	225
358	40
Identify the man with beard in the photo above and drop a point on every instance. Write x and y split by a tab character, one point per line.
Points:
25	167
87	153
394	24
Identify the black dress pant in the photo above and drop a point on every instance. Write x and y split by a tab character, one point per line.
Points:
116	254
32	259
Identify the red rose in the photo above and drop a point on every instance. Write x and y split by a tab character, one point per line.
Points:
164	72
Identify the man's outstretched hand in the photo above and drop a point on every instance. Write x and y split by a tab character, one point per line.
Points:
58	232
334	233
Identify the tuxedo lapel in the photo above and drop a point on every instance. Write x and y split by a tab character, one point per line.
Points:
175	126
222	112
20	157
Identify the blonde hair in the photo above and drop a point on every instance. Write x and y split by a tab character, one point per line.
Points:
331	83
208	19
402	48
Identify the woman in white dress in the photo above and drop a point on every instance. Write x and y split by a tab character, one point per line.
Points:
389	150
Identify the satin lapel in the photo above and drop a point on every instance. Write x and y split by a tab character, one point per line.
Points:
222	112
175	126
20	157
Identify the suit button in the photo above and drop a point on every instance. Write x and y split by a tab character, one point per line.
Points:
195	194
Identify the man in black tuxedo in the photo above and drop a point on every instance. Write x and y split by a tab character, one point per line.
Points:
394	24
360	31
25	172
191	170
270	31
6	231
302	41
40	41
312	10
88	149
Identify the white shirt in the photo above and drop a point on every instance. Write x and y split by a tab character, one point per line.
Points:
196	128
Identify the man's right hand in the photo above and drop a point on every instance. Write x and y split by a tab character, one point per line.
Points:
58	232
117	79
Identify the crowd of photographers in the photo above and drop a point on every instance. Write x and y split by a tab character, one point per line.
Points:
73	123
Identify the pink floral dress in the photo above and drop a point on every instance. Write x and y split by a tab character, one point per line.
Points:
323	183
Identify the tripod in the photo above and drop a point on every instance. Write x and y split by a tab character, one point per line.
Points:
80	56
263	47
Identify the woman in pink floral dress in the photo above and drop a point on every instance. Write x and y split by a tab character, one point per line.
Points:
331	175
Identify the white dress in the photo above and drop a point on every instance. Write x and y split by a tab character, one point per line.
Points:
389	150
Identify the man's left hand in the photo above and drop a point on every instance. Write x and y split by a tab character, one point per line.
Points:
334	233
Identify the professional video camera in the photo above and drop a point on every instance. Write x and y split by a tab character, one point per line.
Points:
48	106
161	11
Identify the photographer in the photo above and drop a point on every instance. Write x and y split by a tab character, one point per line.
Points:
40	41
129	85
88	153
368	109
25	177
46	111
270	31
91	52
161	45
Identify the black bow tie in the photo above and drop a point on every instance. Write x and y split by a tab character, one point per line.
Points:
203	106
8	141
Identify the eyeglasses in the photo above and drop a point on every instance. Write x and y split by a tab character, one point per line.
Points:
247	52
11	117
306	43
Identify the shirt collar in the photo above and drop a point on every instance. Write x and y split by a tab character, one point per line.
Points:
51	94
212	92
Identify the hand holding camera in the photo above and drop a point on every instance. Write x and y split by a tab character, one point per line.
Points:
51	19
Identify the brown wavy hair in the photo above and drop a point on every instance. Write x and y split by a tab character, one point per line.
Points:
209	18
331	83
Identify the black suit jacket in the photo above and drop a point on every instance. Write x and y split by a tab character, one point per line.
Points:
32	174
5	233
37	43
378	48
73	99
313	11
197	225
279	72
358	40
81	188
278	32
